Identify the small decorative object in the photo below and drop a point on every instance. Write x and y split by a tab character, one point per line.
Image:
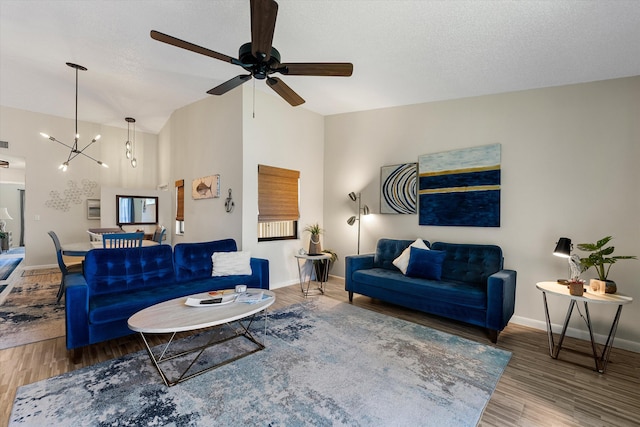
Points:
599	257
576	287
597	286
315	248
241	288
229	203
207	187
93	208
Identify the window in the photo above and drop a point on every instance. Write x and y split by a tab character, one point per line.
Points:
180	206
277	203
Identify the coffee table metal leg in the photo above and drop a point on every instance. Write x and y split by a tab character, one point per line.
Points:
549	330
243	331
564	329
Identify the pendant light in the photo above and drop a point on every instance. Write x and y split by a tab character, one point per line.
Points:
130	145
75	152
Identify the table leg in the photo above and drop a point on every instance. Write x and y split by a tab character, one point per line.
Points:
593	342
549	331
604	359
564	329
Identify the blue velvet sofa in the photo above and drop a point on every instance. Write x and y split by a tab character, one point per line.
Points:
117	283
473	287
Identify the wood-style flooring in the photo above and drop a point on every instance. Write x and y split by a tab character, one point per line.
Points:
534	390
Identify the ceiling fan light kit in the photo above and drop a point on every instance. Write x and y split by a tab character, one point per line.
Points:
260	59
75	152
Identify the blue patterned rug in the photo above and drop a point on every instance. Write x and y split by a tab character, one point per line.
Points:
326	363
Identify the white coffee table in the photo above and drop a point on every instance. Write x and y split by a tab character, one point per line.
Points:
173	316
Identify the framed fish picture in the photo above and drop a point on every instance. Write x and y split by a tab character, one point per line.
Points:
206	187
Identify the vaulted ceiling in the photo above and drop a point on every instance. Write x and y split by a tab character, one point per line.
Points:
404	52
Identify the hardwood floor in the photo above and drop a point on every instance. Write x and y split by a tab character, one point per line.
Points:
534	390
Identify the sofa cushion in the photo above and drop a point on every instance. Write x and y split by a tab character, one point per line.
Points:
469	263
111	307
193	260
425	264
126	269
231	263
455	293
389	249
403	260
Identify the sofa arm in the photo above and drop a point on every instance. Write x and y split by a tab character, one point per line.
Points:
76	311
501	299
259	273
354	263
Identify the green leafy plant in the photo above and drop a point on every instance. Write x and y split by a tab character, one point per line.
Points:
314	229
600	258
3	234
334	256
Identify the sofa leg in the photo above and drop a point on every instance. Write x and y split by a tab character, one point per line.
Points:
493	335
76	355
350	296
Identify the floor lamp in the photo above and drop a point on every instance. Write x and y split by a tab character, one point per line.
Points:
362	209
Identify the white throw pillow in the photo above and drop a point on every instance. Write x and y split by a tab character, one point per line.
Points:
231	263
402	262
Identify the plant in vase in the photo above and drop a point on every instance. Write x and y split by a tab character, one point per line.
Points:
322	269
314	241
600	259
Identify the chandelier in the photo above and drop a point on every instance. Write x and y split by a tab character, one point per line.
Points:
130	145
75	152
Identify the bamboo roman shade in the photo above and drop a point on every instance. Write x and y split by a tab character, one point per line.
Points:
180	200
277	194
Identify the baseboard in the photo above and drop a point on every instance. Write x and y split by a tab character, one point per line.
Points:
576	333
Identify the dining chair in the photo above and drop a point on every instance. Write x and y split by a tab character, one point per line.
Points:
158	234
122	240
68	265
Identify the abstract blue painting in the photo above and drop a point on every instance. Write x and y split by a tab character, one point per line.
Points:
460	187
398	189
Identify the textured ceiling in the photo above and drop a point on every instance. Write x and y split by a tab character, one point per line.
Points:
404	52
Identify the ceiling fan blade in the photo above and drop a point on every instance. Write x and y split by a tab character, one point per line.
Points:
284	91
165	38
344	69
229	84
263	24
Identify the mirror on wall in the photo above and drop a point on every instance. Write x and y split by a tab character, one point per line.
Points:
136	210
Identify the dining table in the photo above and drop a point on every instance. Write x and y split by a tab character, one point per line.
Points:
81	248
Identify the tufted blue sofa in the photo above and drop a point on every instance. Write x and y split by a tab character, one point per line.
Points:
473	288
117	283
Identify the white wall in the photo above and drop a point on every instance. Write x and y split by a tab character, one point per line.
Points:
284	137
569	168
43	180
202	139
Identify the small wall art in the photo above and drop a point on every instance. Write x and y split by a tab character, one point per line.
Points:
460	187
93	208
398	188
207	187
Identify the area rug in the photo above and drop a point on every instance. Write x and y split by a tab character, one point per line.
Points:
7	265
325	363
30	314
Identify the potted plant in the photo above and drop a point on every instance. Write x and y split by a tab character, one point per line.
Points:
322	269
314	241
600	259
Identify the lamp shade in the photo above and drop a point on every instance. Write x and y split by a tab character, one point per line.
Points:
563	248
353	196
351	220
4	214
365	210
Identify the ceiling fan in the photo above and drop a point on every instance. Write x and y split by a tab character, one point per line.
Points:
260	59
